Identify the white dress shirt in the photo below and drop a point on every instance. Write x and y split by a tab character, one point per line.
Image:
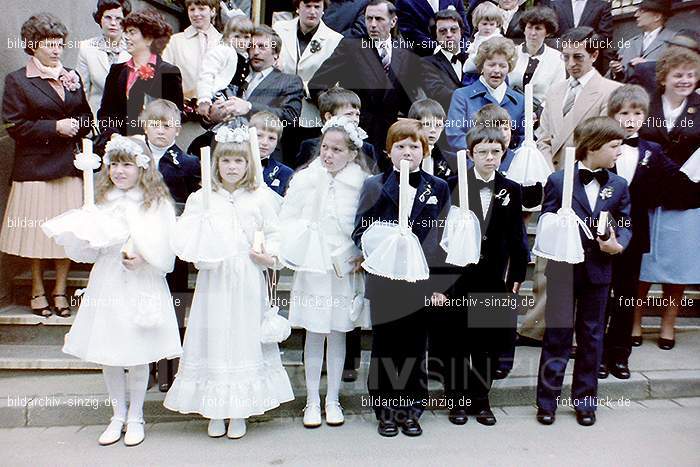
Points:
157	152
507	17
499	93
592	189
577	6
255	78
649	38
671	114
485	194
435	5
387	46
578	89
457	67
626	164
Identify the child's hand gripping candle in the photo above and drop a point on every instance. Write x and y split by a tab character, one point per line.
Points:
87	162
206	176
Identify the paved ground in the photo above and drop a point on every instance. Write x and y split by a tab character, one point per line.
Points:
651	433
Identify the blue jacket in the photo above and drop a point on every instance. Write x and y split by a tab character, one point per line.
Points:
597	266
181	173
467	101
277	176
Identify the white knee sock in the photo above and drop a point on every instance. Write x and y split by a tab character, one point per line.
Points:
335	360
115	379
313	360
138	385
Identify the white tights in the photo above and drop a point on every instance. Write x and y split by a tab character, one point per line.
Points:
117	386
313	361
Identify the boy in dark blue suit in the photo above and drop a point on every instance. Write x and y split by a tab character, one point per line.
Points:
334	102
275	173
432	116
181	173
397	381
482	333
577	294
645	167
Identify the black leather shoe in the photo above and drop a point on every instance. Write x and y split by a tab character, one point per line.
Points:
544	417
585	418
349	375
501	374
603	371
458	416
411	427
388	428
525	341
620	370
636	341
486	417
666	344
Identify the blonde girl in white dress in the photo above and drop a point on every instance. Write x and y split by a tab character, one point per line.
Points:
126	318
318	215
225	371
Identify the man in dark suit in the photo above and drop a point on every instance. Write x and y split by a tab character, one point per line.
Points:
265	88
346	17
482	333
416	16
442	71
593	13
381	72
577	294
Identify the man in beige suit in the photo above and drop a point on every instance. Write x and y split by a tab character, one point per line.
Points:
583	95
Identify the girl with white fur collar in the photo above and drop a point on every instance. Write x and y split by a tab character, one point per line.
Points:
126	318
317	219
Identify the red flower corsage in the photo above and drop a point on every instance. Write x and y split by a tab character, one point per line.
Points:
146	72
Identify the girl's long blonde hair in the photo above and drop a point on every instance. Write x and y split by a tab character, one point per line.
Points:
150	180
249	181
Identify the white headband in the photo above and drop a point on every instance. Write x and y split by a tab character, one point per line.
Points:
123	144
354	132
228	135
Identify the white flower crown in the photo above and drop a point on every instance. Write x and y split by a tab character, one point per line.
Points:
123	144
235	135
356	134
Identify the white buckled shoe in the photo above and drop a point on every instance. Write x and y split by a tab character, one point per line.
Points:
236	428
312	416
112	433
134	433
334	414
217	428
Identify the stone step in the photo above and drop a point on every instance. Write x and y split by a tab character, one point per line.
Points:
63	398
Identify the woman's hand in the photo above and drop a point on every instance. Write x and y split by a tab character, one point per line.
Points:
67	127
438	299
263	259
134	262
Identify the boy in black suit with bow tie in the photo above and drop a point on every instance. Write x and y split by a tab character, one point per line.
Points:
181	173
478	324
397	383
275	173
578	294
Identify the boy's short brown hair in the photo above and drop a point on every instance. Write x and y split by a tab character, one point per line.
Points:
486	11
426	108
484	134
492	115
593	133
160	110
239	23
632	94
406	128
267	121
210	3
335	98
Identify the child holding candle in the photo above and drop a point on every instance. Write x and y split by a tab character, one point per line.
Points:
126	318
326	193
398	307
577	294
226	372
466	346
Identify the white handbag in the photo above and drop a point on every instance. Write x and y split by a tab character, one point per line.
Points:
274	328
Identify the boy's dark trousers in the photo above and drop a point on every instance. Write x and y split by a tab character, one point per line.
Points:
567	286
177	282
353	349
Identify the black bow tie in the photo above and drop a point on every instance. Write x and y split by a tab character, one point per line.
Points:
265	162
632	141
480	184
413	178
460	57
587	176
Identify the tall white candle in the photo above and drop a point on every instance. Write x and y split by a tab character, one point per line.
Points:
568	177
404	167
255	153
88	176
462	179
206	175
529	108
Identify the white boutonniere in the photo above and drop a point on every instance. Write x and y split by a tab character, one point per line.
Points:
423	196
432	200
504	196
645	159
606	192
173	154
